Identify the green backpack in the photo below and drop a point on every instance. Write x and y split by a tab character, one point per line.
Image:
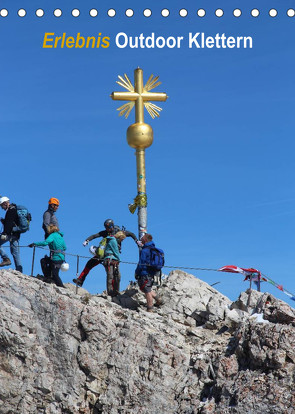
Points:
101	248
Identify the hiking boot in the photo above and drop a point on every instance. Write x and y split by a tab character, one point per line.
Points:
5	262
78	282
48	280
159	301
150	309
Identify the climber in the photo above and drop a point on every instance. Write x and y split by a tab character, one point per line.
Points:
49	216
111	262
56	243
110	229
145	272
10	233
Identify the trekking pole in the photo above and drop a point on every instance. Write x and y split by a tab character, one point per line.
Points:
33	260
77	273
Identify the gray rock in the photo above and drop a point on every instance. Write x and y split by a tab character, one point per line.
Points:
247	301
63	351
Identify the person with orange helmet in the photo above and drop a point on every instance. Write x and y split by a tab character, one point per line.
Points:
49	216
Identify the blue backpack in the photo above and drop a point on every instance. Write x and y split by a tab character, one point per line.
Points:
157	259
24	218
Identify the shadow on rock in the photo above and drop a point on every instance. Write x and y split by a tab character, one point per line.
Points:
126	299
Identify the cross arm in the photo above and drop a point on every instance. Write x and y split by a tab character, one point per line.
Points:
154	96
124	96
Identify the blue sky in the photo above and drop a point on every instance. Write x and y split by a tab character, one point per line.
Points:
220	173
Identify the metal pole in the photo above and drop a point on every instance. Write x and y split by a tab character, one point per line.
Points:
33	260
141	190
258	284
140	154
78	265
77	273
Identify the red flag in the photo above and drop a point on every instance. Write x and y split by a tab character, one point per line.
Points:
231	269
256	275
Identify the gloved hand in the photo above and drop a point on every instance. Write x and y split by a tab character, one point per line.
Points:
139	243
2	220
31	245
85	243
4	237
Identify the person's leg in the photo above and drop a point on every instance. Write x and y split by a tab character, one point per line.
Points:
14	249
89	265
109	268
145	284
2	252
117	279
55	266
150	299
46	266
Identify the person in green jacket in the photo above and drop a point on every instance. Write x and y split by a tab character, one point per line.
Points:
111	263
56	243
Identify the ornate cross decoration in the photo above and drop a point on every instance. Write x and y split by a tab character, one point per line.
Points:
139	96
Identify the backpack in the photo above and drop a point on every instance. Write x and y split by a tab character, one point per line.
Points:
157	259
24	218
101	248
117	228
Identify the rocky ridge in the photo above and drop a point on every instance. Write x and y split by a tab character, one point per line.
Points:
64	353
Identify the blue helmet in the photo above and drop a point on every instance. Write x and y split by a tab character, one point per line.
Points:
108	224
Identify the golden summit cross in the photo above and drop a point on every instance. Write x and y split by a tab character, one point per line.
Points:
139	135
139	96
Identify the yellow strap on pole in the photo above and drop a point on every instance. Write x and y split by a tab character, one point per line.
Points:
139	201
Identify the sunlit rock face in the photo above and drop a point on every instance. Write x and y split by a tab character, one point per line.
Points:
64	352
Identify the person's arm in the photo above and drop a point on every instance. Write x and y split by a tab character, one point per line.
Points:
130	234
102	233
44	242
46	219
64	247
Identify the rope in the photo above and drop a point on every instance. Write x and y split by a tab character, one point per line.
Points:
268	279
131	263
280	287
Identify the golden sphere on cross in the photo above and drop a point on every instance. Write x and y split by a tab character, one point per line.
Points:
140	135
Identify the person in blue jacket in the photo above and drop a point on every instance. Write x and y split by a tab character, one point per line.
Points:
57	245
145	274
